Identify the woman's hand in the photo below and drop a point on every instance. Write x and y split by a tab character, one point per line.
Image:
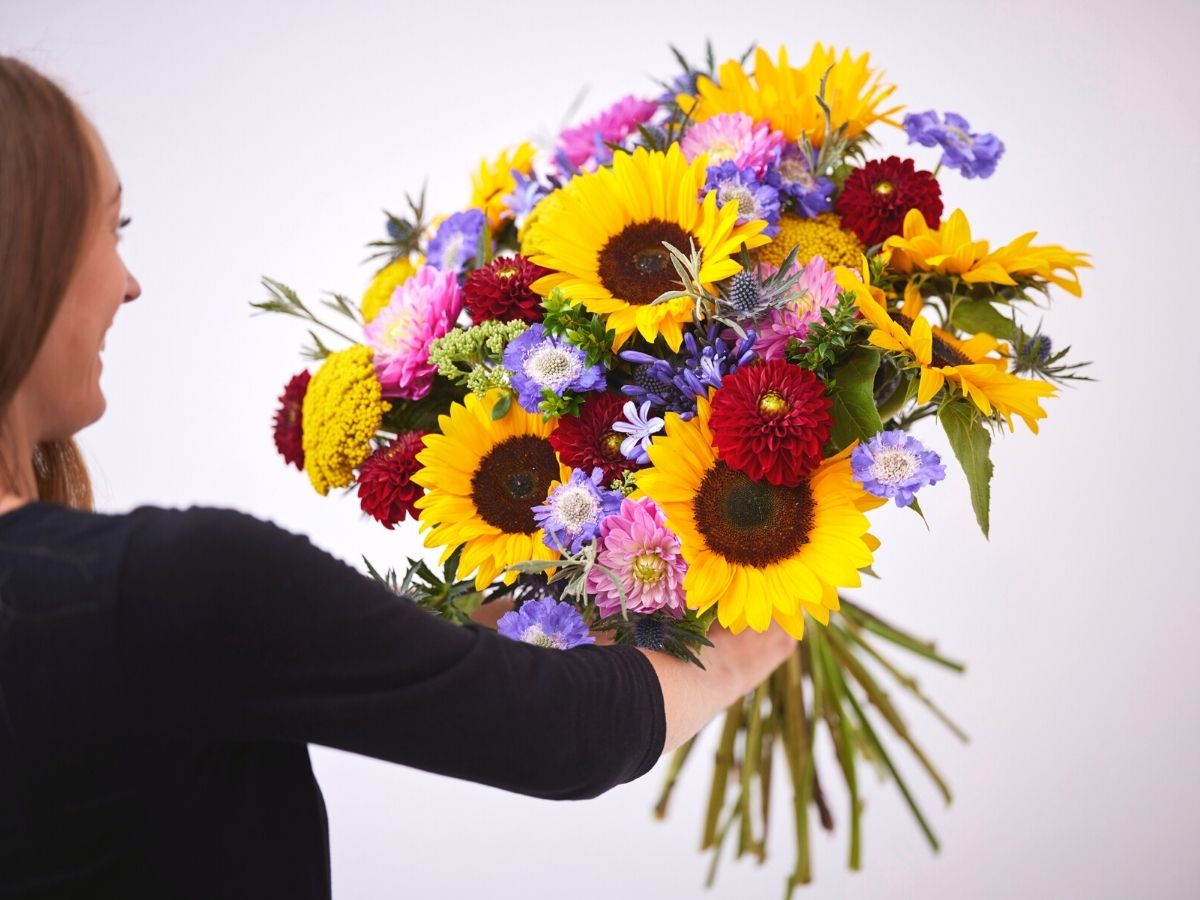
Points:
734	665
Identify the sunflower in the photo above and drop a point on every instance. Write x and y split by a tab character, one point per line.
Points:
602	236
972	365
950	250
493	181
757	550
786	97
482	477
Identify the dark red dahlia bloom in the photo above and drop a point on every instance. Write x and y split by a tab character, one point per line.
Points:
385	487
289	421
500	290
589	441
771	421
877	197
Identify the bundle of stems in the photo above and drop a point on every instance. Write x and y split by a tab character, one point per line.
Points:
827	683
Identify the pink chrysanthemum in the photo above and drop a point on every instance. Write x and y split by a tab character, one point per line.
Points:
586	141
733	137
423	309
645	556
813	291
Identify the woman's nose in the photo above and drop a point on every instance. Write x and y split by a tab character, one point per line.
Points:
133	289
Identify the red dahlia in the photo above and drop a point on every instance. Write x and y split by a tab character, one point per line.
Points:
771	421
385	487
589	440
500	290
289	421
877	197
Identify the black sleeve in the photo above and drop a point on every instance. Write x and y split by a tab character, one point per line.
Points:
233	629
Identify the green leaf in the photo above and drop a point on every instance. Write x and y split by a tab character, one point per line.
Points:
503	404
916	507
974	316
971	443
852	390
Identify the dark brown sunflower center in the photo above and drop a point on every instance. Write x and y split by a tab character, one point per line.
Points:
513	477
752	523
610	446
944	353
634	264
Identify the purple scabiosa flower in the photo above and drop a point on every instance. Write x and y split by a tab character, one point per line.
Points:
974	155
755	198
645	557
546	623
539	361
812	194
894	464
674	384
733	137
573	511
456	242
639	427
586	145
816	289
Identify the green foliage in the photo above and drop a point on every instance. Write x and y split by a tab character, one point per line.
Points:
404	232
422	415
1032	356
975	316
443	595
829	340
971	443
855	416
285	301
573	323
555	406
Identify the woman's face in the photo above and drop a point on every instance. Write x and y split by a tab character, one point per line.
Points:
62	390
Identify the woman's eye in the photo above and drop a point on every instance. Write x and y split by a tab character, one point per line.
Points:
123	224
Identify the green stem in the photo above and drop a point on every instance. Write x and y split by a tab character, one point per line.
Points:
834	688
678	758
750	769
800	760
908	682
722	764
893	404
857	616
880	700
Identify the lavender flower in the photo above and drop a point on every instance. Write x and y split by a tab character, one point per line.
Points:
573	511
674	384
812	194
974	155
526	195
894	464
640	427
756	198
456	242
540	362
546	623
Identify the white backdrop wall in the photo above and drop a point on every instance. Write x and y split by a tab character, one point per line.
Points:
265	138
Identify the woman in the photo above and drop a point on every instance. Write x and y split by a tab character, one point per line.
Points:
162	671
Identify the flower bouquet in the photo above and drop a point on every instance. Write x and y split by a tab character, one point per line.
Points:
658	374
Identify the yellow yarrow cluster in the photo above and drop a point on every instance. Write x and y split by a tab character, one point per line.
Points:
822	236
379	293
343	409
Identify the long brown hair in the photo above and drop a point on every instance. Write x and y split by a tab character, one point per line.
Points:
48	185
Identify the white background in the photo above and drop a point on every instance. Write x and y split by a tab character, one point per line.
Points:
265	138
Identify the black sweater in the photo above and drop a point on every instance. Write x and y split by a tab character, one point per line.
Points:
162	672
